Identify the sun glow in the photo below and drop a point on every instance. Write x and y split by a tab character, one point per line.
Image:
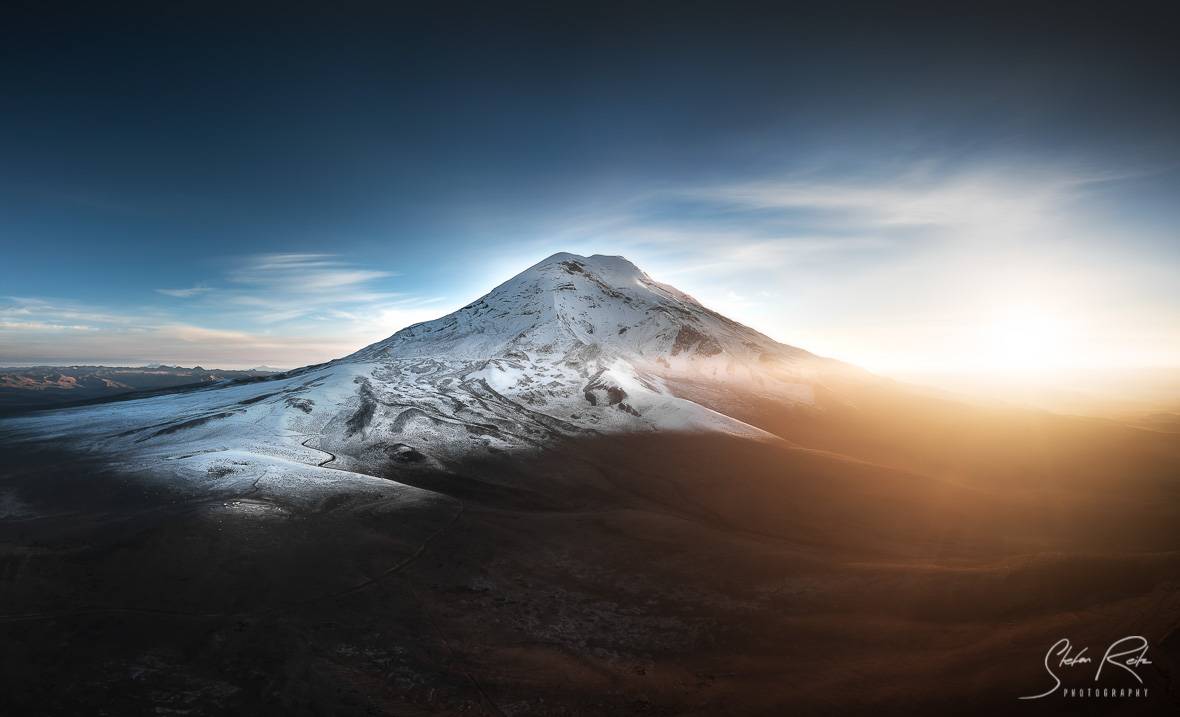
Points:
1026	339
1038	339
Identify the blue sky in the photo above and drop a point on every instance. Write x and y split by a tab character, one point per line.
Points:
899	189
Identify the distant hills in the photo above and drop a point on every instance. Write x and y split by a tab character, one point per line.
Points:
32	388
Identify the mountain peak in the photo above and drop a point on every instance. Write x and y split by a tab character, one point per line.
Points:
567	307
571	343
596	259
615	270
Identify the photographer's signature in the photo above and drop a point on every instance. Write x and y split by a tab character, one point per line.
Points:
1128	653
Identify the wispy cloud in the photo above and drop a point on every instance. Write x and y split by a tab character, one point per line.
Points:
41	326
185	293
281	309
56	311
817	222
303	272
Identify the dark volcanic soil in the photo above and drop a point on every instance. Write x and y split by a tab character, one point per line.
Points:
655	575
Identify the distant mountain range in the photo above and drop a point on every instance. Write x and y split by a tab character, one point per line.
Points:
30	388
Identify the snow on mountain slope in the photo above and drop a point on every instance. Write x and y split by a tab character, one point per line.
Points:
585	307
573	345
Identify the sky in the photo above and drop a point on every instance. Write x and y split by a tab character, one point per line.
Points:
192	183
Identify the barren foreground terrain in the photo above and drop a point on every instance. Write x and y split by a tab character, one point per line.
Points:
648	574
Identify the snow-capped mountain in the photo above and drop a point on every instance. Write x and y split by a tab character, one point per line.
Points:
567	303
571	346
